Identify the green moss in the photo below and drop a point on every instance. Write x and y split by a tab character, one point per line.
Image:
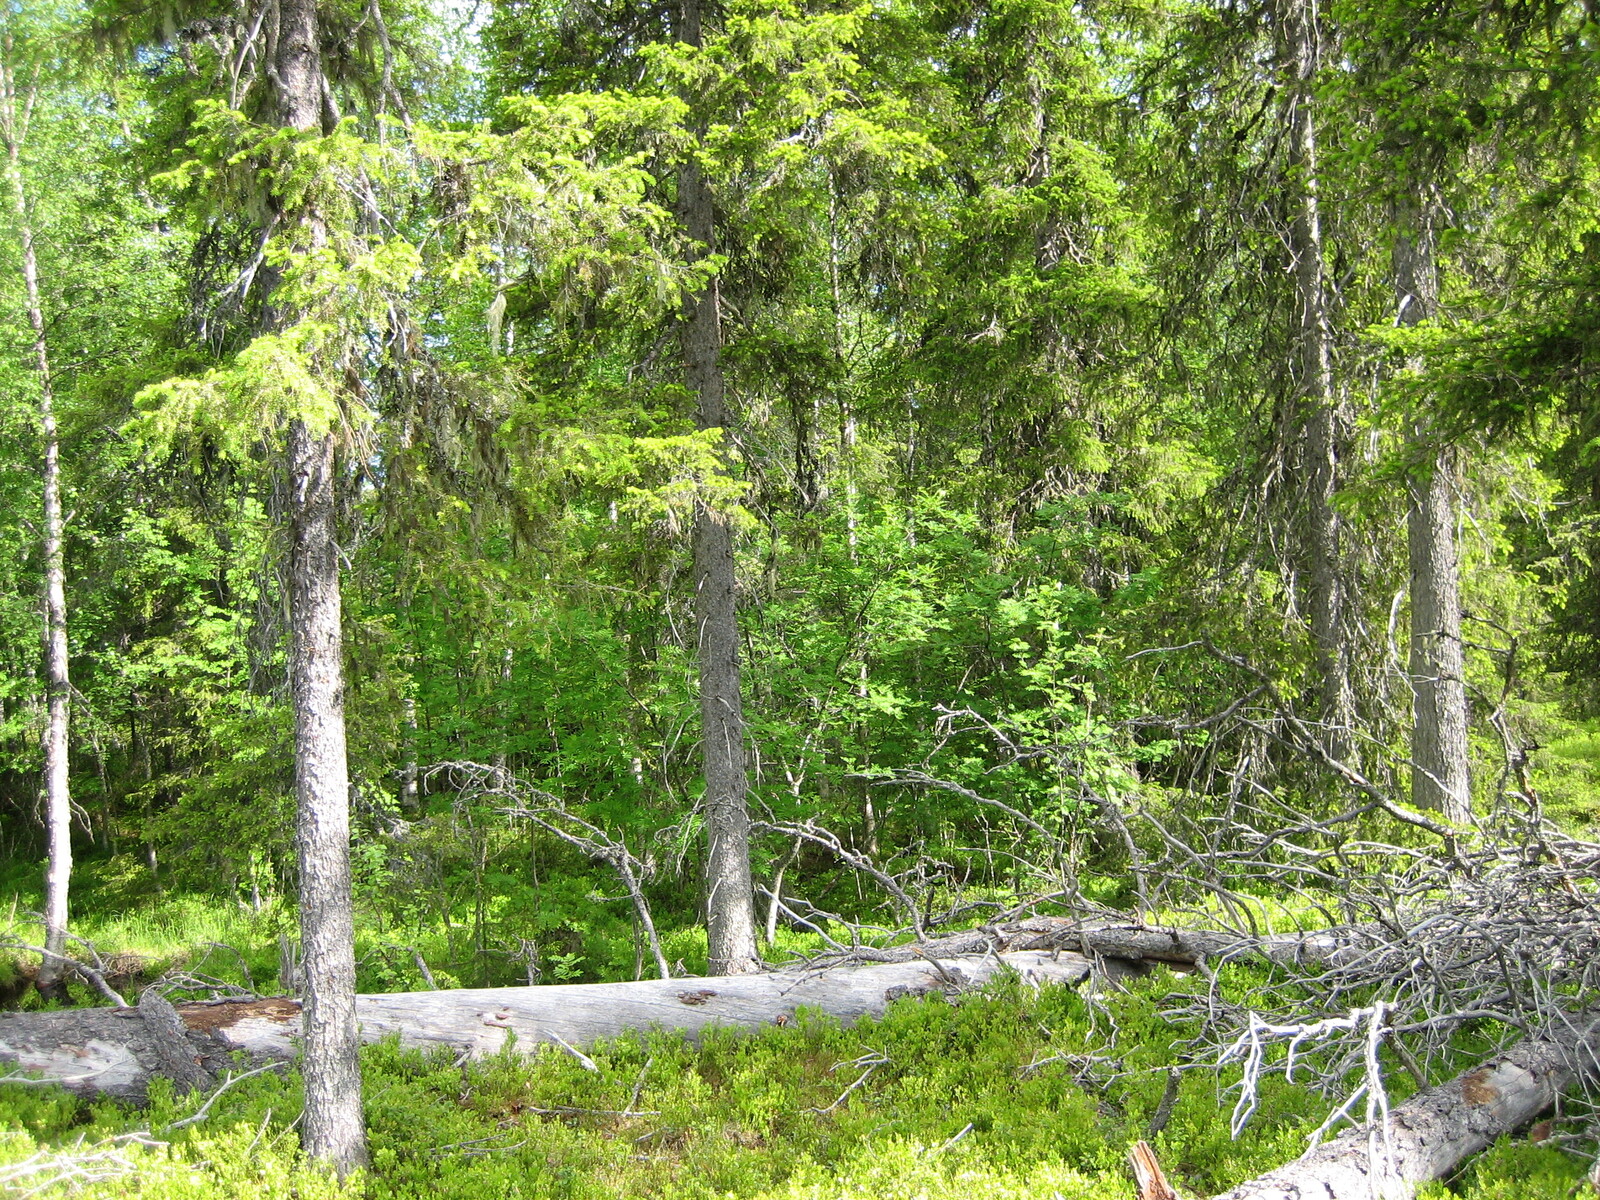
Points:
1513	1170
987	1096
1006	1093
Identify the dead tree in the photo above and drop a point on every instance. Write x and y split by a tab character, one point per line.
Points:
1435	1131
116	1051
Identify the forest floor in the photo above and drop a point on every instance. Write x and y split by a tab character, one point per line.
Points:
1005	1093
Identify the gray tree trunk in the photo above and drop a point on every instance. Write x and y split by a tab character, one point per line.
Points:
1439	756
15	110
1322	421
730	896
333	1129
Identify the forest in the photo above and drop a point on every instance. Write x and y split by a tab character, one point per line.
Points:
800	599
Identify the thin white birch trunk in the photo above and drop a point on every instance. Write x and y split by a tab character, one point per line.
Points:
16	108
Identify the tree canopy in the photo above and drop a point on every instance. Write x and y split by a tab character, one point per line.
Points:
870	465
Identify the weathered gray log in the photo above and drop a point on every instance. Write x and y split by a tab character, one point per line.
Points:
106	1051
1149	944
1436	1130
110	1051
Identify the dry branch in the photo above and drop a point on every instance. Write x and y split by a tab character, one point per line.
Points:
1429	1135
514	799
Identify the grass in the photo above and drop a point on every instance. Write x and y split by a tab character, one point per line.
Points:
143	933
957	1108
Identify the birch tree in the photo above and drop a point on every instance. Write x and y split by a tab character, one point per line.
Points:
20	79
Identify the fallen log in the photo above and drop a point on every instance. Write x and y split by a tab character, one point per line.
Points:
115	1051
1438	1129
1146	944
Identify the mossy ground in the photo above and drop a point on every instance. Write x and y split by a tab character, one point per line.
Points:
955	1108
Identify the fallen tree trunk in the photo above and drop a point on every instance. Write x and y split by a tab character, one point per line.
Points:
1146	944
1438	1129
115	1051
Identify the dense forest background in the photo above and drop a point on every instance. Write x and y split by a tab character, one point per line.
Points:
1159	410
698	484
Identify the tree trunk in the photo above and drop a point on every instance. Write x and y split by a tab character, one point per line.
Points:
1321	419
58	688
730	896
333	1130
333	1127
1436	1130
109	1051
409	793
1439	777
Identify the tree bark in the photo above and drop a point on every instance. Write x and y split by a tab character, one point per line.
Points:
333	1129
58	687
108	1051
1436	1130
1439	757
730	895
1321	418
409	793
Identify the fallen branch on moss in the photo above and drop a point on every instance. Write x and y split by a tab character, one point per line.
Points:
1438	1129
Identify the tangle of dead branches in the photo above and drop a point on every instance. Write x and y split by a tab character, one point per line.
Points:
502	791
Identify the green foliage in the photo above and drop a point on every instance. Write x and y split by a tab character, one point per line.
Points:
997	435
225	1165
1512	1171
957	1103
992	1096
1014	466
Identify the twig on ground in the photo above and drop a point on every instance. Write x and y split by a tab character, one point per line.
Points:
587	1062
869	1061
200	1113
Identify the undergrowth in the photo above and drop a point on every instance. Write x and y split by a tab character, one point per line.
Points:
1006	1093
143	935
